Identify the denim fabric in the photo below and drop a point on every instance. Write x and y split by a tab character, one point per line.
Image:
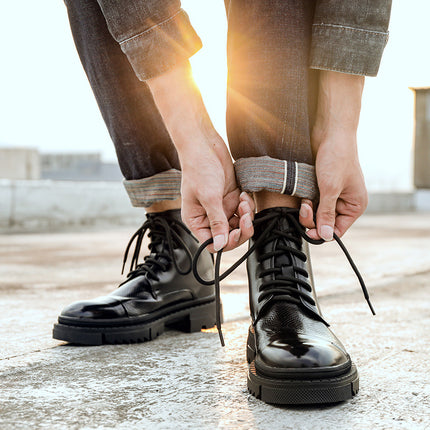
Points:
350	36
274	49
272	93
154	34
141	140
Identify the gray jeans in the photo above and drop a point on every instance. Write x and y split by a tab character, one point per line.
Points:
275	51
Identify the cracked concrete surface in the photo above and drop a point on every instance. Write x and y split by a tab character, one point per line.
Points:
185	381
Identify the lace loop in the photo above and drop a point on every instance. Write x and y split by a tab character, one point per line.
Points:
286	289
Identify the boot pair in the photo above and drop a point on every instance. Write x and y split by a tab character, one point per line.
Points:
293	356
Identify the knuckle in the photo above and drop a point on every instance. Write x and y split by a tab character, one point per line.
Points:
327	209
216	223
209	194
328	185
361	204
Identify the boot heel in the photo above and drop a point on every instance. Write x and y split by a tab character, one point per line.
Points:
199	317
203	317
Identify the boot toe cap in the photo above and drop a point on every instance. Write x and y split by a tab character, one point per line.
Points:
101	308
302	354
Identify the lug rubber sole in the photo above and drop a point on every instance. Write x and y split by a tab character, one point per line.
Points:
300	391
191	319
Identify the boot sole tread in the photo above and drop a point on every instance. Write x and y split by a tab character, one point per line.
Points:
191	319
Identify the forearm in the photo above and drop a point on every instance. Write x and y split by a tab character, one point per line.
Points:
339	105
183	111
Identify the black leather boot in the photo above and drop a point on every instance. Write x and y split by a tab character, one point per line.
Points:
159	292
294	357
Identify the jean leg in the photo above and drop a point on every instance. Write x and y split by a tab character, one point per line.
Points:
146	154
271	97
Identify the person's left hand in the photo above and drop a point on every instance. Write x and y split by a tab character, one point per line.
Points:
343	195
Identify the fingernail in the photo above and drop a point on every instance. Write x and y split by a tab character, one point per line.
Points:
247	220
219	242
303	211
237	237
243	194
326	233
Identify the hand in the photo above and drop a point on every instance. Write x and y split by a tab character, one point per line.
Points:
343	195
212	205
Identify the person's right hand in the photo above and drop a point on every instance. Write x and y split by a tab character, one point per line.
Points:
212	205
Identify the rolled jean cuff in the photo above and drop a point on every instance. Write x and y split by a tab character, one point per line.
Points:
161	47
278	176
161	186
345	49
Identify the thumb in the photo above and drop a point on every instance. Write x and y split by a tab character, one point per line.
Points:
326	216
219	226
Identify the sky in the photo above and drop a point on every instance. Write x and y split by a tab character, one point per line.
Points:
47	103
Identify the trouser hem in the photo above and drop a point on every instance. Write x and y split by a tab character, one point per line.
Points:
161	186
253	174
278	176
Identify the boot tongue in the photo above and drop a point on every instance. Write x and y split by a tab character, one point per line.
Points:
283	223
173	214
158	235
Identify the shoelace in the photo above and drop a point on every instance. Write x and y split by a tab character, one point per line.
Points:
159	231
285	285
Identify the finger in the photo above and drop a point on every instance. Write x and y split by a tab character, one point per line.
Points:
246	227
348	213
233	222
202	235
247	198
306	214
234	240
313	234
241	235
218	224
244	208
326	215
342	224
198	225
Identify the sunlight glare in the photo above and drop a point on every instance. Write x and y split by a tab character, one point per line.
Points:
210	63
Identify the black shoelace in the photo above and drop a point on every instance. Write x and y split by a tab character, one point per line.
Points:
283	287
161	232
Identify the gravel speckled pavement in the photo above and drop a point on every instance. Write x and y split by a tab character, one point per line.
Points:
187	381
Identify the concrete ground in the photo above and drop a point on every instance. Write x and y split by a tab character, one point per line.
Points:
187	381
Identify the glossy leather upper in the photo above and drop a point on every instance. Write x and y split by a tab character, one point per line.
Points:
290	332
142	293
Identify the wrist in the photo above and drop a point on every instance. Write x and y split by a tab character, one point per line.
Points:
341	145
339	101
